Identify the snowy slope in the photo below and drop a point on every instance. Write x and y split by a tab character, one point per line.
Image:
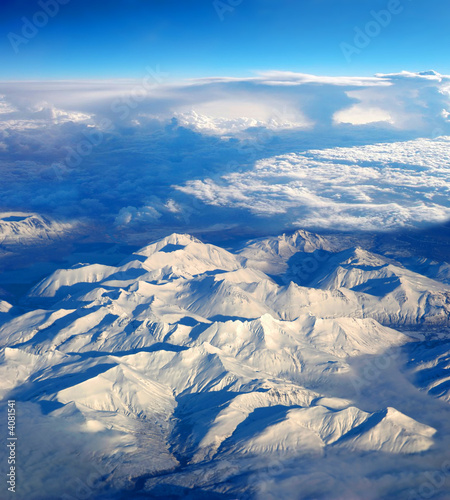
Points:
18	228
185	357
272	254
397	294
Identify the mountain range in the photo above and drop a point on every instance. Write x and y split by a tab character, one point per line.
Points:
290	367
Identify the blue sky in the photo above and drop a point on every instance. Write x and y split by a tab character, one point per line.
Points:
119	38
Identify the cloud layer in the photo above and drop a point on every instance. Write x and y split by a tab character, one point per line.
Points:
152	153
381	186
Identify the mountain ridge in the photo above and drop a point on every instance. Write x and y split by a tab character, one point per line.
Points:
185	356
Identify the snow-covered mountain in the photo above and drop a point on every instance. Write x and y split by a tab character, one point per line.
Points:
20	228
188	369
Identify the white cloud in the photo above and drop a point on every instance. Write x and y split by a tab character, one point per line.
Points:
133	215
276	100
235	121
359	115
38	115
106	150
381	186
5	107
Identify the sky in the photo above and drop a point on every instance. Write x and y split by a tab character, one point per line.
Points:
195	38
258	116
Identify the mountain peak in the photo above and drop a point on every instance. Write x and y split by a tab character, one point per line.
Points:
187	353
174	239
